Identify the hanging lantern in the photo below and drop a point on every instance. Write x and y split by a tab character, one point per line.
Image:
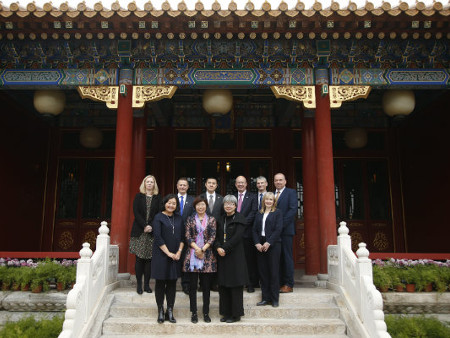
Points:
398	103
217	102
49	102
356	138
91	137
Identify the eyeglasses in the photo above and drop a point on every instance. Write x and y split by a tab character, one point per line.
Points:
230	204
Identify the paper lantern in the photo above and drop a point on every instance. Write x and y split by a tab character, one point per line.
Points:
91	137
356	138
217	102
49	102
398	102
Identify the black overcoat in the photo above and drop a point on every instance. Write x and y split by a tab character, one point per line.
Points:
232	268
140	212
164	267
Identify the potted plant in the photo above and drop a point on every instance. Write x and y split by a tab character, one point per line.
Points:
381	278
63	278
410	276
395	274
6	276
25	277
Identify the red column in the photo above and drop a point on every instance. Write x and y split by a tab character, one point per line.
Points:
325	176
122	171
312	237
137	173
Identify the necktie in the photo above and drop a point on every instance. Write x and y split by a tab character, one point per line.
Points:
181	205
239	203
277	195
260	200
211	203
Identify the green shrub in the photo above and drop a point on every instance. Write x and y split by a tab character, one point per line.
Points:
416	327
31	328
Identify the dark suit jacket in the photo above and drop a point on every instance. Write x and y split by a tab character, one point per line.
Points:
272	229
218	206
140	212
287	204
248	210
188	209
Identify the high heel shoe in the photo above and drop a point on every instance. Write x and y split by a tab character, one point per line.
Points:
169	315
160	314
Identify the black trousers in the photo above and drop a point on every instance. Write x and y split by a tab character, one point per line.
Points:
269	272
143	267
287	261
250	257
165	288
231	301
205	282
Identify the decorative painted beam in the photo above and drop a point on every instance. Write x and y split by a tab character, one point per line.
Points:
339	94
142	94
108	94
304	94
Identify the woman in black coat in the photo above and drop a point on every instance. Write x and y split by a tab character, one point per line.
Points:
168	231
267	229
145	206
231	265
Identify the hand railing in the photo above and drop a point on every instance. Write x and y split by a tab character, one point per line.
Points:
94	273
353	275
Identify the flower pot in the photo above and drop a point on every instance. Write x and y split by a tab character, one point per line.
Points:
411	287
15	286
25	287
37	289
60	286
399	288
428	287
5	286
384	289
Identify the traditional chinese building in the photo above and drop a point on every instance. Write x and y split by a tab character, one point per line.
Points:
310	88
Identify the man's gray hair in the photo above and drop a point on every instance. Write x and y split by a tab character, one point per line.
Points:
261	178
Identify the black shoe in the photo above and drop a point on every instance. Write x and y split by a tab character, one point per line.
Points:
206	318
169	315
250	289
194	318
224	319
233	319
160	314
263	303
148	289
186	289
139	288
275	304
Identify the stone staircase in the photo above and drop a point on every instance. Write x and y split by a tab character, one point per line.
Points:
307	312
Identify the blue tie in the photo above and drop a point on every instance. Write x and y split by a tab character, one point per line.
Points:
260	200
181	205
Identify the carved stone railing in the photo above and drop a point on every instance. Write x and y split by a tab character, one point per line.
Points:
96	276
351	276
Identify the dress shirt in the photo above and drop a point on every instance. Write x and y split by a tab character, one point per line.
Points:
263	231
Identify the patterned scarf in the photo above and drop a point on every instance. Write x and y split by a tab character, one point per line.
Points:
195	262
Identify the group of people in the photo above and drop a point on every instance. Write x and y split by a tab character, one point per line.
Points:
231	242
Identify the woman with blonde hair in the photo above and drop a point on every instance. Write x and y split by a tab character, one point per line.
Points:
146	205
267	229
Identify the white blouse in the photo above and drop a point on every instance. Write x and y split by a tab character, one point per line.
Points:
263	232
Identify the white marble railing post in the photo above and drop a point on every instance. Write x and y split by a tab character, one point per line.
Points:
96	274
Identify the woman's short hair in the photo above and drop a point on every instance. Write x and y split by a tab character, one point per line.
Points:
263	205
199	199
167	198
230	199
142	186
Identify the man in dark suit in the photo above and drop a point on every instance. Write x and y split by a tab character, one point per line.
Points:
185	209
287	203
215	200
248	206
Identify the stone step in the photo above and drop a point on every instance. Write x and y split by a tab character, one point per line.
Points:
247	326
221	335
300	296
284	311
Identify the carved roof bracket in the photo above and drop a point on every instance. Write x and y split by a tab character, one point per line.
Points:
339	94
142	94
305	94
108	94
